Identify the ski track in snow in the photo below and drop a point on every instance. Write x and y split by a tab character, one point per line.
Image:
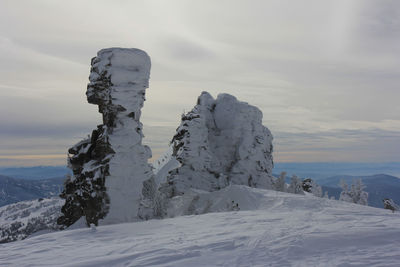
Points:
285	230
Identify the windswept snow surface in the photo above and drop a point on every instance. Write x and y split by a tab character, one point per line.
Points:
278	229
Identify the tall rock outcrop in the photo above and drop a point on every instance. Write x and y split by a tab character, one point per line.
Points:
220	142
109	167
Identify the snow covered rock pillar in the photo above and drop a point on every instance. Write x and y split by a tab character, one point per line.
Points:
220	142
110	166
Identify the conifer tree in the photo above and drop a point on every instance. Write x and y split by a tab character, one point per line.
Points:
295	186
280	184
390	204
355	194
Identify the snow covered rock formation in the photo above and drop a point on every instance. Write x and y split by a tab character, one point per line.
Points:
109	167
220	142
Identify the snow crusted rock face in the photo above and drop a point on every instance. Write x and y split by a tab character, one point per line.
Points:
109	167
220	142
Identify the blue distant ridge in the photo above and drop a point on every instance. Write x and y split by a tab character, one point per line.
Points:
36	172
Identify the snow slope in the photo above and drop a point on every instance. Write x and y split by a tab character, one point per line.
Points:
276	229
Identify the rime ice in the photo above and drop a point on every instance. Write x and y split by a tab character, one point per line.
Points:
220	142
110	166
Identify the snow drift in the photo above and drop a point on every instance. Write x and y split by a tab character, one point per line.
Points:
271	229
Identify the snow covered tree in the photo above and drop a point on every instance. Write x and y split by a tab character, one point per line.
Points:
85	192
317	191
279	184
345	195
390	204
356	194
359	195
296	186
312	187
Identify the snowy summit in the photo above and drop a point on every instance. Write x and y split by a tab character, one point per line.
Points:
271	229
210	201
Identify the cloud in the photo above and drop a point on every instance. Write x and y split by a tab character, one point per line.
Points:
42	130
324	73
181	49
340	145
33	160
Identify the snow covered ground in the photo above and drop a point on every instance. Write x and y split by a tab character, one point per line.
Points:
276	229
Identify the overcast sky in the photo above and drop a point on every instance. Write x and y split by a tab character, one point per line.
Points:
326	74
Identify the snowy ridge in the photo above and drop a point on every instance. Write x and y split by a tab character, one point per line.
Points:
278	229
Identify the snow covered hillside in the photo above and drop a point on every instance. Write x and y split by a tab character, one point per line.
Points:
22	219
270	229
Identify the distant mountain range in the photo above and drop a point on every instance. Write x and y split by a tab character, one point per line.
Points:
36	172
14	190
319	170
378	186
314	170
382	179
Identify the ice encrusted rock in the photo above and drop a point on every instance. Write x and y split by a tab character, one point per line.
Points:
220	142
109	167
